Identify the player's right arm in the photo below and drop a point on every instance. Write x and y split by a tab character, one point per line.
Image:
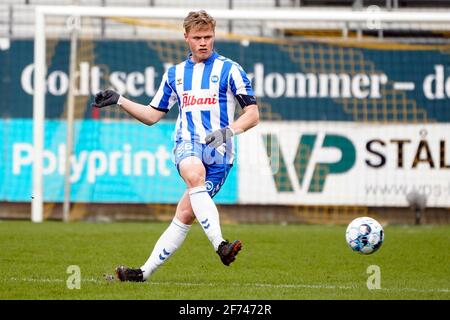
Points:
145	114
163	100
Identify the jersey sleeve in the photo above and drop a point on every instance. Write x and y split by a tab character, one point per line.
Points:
241	86
239	82
165	97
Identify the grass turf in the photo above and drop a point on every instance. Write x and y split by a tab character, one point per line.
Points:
277	262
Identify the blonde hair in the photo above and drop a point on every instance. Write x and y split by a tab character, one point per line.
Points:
198	19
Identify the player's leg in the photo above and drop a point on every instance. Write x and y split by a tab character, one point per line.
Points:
172	238
193	173
216	175
203	183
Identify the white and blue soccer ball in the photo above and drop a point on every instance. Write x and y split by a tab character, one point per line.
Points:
364	235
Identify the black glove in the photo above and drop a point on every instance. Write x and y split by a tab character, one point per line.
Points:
217	138
105	98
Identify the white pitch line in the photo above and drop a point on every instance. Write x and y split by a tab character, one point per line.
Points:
266	285
298	286
51	280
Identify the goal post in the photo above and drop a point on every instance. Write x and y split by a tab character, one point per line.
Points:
277	85
38	115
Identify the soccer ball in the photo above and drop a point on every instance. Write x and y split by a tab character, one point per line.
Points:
364	235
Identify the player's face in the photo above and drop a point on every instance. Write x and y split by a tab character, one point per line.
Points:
201	43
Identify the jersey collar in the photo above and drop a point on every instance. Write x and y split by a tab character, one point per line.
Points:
210	60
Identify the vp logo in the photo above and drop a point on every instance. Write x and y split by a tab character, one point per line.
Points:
303	159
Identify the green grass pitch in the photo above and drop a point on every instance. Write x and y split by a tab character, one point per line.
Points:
277	262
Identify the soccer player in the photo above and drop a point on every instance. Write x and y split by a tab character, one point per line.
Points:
205	86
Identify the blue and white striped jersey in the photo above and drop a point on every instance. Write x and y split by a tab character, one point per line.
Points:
205	93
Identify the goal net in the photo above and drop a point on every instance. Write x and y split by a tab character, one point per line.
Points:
354	109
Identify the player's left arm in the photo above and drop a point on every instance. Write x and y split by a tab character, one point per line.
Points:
242	90
247	120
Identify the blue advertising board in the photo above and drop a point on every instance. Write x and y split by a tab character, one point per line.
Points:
118	161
